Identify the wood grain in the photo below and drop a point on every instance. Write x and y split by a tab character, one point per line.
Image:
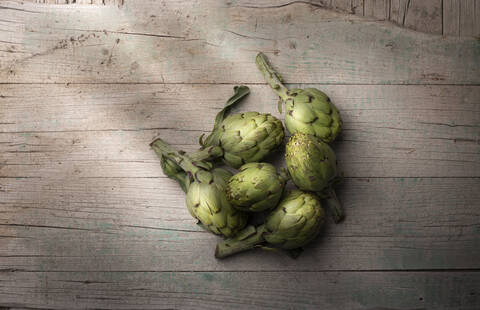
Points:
451	17
379	9
135	224
425	16
468	17
104	130
461	18
429	16
79	2
398	10
245	290
50	44
88	220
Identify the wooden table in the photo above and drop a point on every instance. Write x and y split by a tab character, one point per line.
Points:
88	220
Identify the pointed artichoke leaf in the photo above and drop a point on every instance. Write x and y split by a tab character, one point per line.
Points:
239	93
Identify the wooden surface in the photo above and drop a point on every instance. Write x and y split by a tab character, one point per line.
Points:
88	220
447	17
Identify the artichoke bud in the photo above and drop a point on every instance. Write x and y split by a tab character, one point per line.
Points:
308	110
249	137
312	112
257	187
312	166
208	203
242	137
205	196
295	222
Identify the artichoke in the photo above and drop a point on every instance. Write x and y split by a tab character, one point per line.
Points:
312	166
243	137
240	138
292	224
257	187
308	110
205	187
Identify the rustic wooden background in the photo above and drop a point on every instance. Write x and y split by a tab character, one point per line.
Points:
88	220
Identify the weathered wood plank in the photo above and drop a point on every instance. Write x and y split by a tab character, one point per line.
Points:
451	17
477	19
105	44
104	130
246	290
78	2
461	18
379	9
357	7
342	6
397	11
468	17
425	16
126	153
347	6
134	224
121	154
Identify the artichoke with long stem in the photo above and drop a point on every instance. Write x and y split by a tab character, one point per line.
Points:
308	110
312	166
205	188
296	221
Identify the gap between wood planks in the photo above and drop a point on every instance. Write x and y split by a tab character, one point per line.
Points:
4	270
353	178
234	83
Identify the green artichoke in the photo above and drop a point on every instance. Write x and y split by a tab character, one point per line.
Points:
257	187
296	221
312	166
308	110
240	138
206	199
243	137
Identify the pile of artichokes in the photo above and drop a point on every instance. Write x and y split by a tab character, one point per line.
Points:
225	203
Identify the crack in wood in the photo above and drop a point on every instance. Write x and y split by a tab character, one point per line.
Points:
15	9
165	229
248	37
48	226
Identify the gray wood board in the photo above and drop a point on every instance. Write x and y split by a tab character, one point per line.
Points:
60	44
245	290
104	130
134	224
79	2
461	17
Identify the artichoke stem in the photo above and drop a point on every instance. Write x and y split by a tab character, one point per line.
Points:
247	239
182	180
335	206
271	76
163	148
208	153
